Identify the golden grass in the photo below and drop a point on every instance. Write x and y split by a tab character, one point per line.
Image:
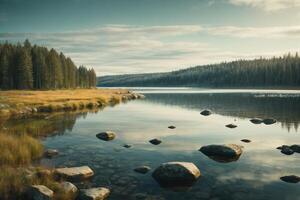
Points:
15	182
19	150
15	101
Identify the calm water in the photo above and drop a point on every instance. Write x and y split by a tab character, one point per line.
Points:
256	175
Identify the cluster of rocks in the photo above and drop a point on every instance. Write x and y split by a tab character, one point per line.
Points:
289	150
41	192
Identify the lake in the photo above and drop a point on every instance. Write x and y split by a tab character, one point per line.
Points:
255	175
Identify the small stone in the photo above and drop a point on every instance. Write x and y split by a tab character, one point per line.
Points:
295	148
99	193
40	192
49	153
256	121
290	179
269	121
205	112
171	127
155	141
246	140
69	187
142	169
107	135
231	126
127	146
286	150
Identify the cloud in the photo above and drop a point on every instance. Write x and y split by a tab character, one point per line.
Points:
268	5
257	32
117	49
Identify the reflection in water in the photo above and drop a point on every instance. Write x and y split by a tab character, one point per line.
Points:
254	176
243	105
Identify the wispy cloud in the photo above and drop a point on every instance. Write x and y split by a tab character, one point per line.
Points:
117	49
268	5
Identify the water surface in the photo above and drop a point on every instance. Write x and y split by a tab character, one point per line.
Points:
256	175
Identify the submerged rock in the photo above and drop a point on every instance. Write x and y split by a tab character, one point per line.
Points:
290	179
231	126
269	121
246	140
142	169
40	192
49	153
256	121
176	174
107	135
74	173
222	153
99	193
205	112
171	127
155	141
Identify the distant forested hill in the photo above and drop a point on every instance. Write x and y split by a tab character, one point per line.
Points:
34	67
275	72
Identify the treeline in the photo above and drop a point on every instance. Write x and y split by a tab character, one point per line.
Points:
35	67
275	72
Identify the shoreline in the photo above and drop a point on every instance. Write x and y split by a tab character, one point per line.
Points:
26	103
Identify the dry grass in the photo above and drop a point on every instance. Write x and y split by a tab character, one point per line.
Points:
19	150
13	101
15	182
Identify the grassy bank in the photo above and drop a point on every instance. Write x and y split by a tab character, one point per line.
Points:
18	103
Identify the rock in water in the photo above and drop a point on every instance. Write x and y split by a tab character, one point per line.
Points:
295	148
269	121
69	188
231	126
40	192
256	121
142	169
176	174
99	193
290	179
222	153
155	141
285	149
107	135
171	127
205	112
74	173
246	140
49	153
127	146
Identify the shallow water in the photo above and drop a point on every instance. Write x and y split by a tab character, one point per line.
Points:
256	175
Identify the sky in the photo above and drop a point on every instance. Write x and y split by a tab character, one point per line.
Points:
143	36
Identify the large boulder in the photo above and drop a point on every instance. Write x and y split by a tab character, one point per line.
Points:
107	135
269	121
74	173
40	192
222	153
99	193
176	174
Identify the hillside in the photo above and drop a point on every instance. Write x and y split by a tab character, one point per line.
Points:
275	72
